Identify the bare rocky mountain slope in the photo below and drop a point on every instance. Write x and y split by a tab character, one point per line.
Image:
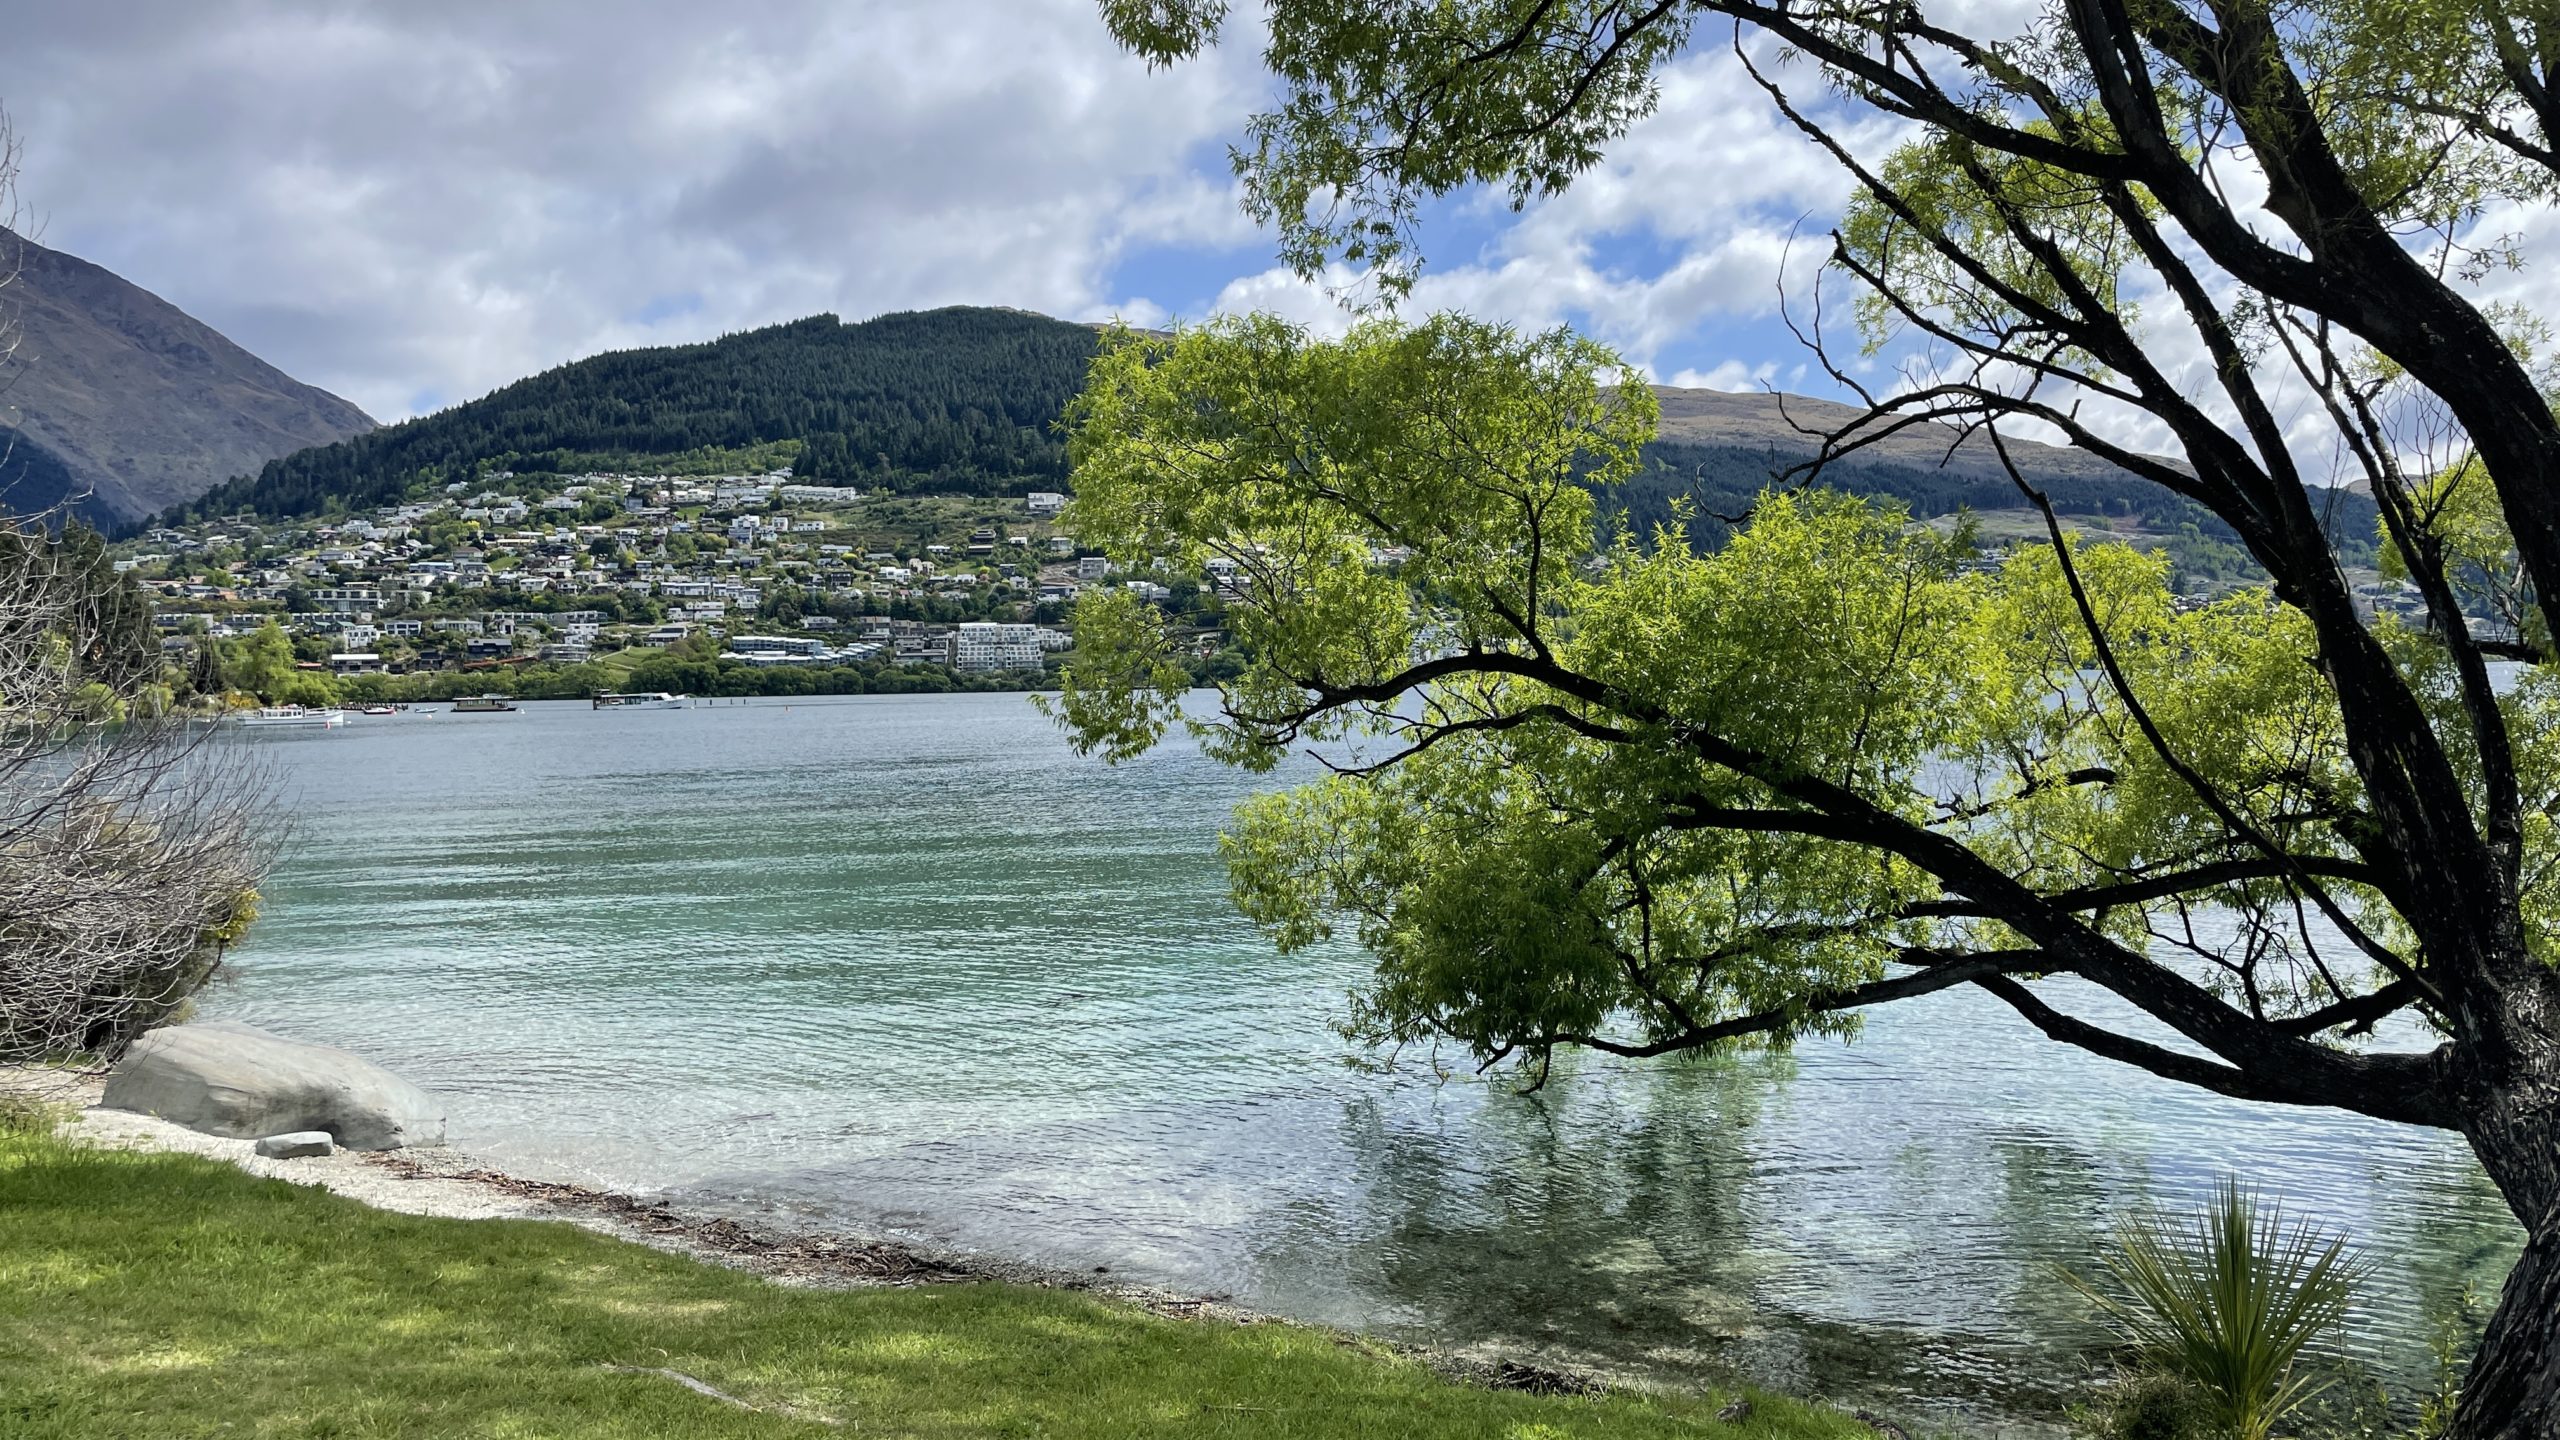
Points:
121	404
1788	426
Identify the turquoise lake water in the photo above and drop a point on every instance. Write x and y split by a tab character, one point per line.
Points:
907	965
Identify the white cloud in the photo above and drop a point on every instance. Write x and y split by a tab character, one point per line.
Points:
431	201
1730	375
1689	224
415	204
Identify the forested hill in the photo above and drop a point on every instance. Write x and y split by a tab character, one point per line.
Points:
957	400
965	400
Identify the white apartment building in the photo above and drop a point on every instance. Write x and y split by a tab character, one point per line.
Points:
980	645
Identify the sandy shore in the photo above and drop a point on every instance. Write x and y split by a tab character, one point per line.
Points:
448	1183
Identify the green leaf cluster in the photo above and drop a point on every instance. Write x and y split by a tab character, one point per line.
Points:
1571	790
2230	1301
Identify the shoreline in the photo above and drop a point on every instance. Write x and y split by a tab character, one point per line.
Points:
446	1182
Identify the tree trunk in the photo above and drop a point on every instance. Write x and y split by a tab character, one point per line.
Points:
2512	1391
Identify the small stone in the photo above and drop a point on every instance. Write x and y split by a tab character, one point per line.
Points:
1735	1413
1880	1425
296	1144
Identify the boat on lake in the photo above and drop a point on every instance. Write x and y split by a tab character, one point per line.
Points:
377	710
293	717
484	704
640	700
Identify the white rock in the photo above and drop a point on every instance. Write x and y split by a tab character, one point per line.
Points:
225	1078
296	1145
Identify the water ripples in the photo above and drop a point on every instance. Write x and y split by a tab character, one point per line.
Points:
908	964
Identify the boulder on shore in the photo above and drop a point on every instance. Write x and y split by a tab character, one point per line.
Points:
224	1078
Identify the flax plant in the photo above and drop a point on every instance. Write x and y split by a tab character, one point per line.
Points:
2229	1300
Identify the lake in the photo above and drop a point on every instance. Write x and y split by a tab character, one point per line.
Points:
906	965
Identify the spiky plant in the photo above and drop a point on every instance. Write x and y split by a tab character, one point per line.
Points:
2229	1299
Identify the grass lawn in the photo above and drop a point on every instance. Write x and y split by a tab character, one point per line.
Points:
623	662
165	1295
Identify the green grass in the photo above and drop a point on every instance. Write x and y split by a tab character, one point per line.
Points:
623	662
165	1295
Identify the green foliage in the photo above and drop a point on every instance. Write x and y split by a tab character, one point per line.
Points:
1576	808
1946	189
129	1278
2229	1301
689	668
950	400
1250	442
206	674
262	663
2456	1337
2458	515
23	1113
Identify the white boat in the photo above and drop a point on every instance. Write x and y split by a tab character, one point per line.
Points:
643	700
484	705
377	710
294	716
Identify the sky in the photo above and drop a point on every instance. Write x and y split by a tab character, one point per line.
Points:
412	204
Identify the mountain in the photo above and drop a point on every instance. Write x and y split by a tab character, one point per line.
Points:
1718	449
954	400
121	404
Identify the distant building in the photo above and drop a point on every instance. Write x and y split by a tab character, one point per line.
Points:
822	494
778	650
1044	502
982	645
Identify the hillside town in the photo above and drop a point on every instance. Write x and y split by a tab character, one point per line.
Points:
508	573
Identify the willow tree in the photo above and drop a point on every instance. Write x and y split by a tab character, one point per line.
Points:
1678	799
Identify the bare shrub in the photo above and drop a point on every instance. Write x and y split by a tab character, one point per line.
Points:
130	837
